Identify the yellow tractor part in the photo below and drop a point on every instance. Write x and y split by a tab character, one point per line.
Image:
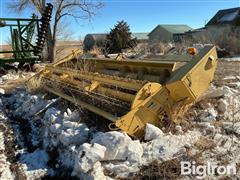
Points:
131	93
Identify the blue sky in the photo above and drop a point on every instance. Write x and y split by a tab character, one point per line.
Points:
142	16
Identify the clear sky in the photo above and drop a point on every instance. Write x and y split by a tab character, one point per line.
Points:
141	15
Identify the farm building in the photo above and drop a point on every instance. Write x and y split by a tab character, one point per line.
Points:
99	40
166	33
226	17
224	23
91	40
141	37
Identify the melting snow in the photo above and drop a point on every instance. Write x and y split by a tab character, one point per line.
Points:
229	17
34	164
89	153
5	171
237	58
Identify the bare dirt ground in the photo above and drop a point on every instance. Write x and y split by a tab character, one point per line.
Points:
63	49
10	150
226	68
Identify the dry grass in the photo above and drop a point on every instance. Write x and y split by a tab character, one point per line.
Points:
34	83
157	48
225	68
205	144
96	51
11	84
165	170
228	40
231	42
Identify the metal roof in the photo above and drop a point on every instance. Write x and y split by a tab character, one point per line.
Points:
174	28
98	36
139	36
226	16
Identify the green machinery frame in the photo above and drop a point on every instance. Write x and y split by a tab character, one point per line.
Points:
22	31
25	48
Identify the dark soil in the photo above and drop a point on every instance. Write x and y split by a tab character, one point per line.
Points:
154	171
25	130
10	149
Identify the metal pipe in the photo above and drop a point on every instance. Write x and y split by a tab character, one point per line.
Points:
105	79
83	104
114	93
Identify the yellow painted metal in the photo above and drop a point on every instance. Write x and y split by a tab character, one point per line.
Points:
132	93
68	57
82	103
106	79
185	86
151	110
195	77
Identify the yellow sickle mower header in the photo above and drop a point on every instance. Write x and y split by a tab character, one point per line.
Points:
131	93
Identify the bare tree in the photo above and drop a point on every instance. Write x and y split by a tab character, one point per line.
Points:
77	9
64	33
8	41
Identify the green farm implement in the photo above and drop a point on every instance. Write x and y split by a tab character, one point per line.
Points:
27	37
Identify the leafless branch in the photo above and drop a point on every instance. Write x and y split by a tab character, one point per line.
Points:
76	9
63	33
20	5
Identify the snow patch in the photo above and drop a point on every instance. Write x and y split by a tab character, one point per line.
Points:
2	91
113	141
237	58
168	147
217	92
222	105
121	170
88	155
232	127
95	173
209	114
5	171
152	132
35	164
228	17
7	77
74	136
